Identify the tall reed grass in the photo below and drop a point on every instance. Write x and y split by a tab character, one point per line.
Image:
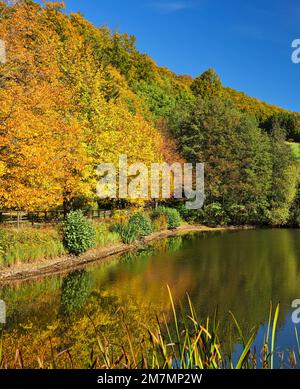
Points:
29	244
188	343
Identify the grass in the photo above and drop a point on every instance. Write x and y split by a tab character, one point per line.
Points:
295	148
29	244
192	344
104	235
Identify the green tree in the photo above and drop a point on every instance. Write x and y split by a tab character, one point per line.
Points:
285	179
287	121
207	85
236	153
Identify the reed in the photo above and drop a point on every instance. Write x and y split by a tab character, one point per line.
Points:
188	343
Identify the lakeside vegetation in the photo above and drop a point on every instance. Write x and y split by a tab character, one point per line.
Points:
177	341
29	245
77	235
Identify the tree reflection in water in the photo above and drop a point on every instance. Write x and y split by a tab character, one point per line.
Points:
238	271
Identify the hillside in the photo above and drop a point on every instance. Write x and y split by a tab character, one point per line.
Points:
73	95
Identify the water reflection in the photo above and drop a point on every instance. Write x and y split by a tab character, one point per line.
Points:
75	291
238	271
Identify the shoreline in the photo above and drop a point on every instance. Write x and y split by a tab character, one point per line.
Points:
67	263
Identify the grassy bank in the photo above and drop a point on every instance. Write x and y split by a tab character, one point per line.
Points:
30	245
104	236
77	235
67	263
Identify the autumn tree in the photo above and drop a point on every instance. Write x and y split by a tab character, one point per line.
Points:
41	151
207	85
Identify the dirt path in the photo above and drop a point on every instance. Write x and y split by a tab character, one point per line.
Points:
66	263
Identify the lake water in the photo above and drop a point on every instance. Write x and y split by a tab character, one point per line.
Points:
238	271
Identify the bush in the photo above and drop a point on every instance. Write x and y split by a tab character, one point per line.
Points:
215	215
139	225
160	223
212	214
128	232
173	216
238	214
142	224
194	216
79	233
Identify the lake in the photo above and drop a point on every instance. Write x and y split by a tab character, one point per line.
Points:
238	271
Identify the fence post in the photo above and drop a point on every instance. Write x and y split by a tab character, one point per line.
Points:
2	312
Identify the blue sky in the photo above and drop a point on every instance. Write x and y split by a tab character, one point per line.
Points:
247	42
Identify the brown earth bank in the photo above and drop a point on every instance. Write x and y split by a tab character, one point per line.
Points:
66	263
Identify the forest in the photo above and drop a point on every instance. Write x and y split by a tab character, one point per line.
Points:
73	95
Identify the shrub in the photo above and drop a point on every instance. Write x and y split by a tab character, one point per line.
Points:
191	216
173	216
139	225
128	232
142	223
160	223
238	214
79	233
212	214
215	214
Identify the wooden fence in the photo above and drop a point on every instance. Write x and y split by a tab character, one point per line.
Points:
19	218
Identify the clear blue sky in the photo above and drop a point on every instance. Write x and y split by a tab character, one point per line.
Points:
247	42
